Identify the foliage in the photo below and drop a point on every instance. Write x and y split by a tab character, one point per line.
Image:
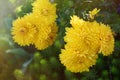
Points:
26	63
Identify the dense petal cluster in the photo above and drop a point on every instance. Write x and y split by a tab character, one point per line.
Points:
84	40
45	10
77	58
106	40
38	28
23	31
46	36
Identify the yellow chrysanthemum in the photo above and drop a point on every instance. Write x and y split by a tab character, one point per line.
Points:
93	13
83	41
45	36
45	10
95	34
83	34
77	59
80	52
23	31
37	28
106	40
104	37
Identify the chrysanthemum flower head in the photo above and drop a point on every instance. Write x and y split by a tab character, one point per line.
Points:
84	40
45	10
104	37
45	36
106	40
77	59
83	34
37	28
81	47
23	31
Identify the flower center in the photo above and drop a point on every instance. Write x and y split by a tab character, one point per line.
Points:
22	30
44	12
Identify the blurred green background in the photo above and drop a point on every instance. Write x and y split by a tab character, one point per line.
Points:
27	63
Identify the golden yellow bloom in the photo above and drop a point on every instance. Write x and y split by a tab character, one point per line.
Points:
106	40
104	37
45	36
80	52
77	59
93	13
97	35
84	33
37	28
83	41
45	10
23	31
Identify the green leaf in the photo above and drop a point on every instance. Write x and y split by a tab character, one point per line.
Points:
5	43
25	64
18	52
8	23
